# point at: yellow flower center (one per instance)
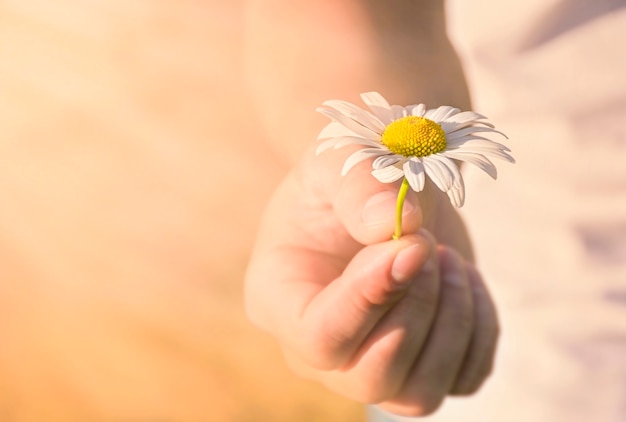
(414, 136)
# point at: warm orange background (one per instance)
(132, 176)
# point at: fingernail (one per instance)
(381, 208)
(406, 263)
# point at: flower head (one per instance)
(412, 142)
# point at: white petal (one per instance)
(489, 153)
(441, 113)
(429, 113)
(398, 112)
(451, 127)
(476, 159)
(465, 117)
(503, 156)
(442, 171)
(385, 161)
(455, 199)
(354, 140)
(414, 173)
(379, 106)
(354, 126)
(334, 129)
(438, 173)
(342, 141)
(357, 157)
(325, 146)
(357, 114)
(388, 174)
(459, 133)
(450, 165)
(484, 147)
(438, 114)
(457, 193)
(472, 141)
(417, 110)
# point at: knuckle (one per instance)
(381, 294)
(461, 319)
(430, 402)
(468, 387)
(470, 384)
(497, 330)
(416, 402)
(321, 351)
(460, 311)
(465, 389)
(426, 405)
(373, 393)
(426, 302)
(319, 357)
(429, 407)
(484, 372)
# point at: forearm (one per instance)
(300, 53)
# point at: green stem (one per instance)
(399, 206)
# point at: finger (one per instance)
(479, 359)
(365, 206)
(387, 355)
(378, 369)
(339, 318)
(436, 369)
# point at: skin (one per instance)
(125, 211)
(399, 323)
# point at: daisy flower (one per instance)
(411, 143)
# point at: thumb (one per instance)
(342, 315)
(363, 205)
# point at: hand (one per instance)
(402, 323)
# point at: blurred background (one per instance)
(129, 195)
(134, 167)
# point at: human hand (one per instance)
(402, 323)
